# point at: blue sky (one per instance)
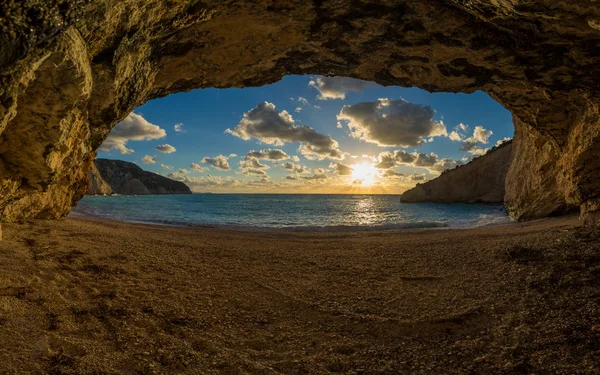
(206, 114)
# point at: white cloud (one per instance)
(459, 133)
(341, 169)
(270, 126)
(197, 167)
(469, 145)
(385, 160)
(424, 160)
(206, 182)
(480, 151)
(296, 168)
(167, 167)
(166, 148)
(303, 100)
(268, 154)
(251, 166)
(150, 159)
(502, 141)
(337, 87)
(418, 177)
(390, 173)
(174, 175)
(295, 158)
(445, 164)
(133, 128)
(210, 183)
(233, 155)
(250, 162)
(480, 136)
(183, 171)
(298, 109)
(254, 172)
(455, 136)
(316, 176)
(218, 162)
(391, 122)
(360, 159)
(431, 162)
(178, 128)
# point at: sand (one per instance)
(84, 296)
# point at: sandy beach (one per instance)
(84, 296)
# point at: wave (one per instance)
(485, 220)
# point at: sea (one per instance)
(290, 212)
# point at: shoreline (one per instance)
(572, 218)
(83, 295)
(296, 229)
(389, 227)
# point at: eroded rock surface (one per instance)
(71, 69)
(126, 178)
(97, 184)
(480, 181)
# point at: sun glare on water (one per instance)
(366, 173)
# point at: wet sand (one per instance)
(84, 296)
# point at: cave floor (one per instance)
(83, 296)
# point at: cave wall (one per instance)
(71, 69)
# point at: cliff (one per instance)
(71, 69)
(480, 181)
(97, 184)
(126, 178)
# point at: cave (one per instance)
(72, 69)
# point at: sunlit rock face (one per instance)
(97, 184)
(480, 181)
(71, 69)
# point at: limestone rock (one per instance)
(480, 181)
(129, 179)
(97, 184)
(71, 69)
(535, 186)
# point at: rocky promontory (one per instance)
(480, 181)
(121, 177)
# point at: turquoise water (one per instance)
(290, 211)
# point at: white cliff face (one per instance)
(97, 184)
(71, 69)
(480, 181)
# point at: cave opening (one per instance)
(308, 135)
(324, 135)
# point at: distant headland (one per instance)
(124, 178)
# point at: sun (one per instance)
(366, 173)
